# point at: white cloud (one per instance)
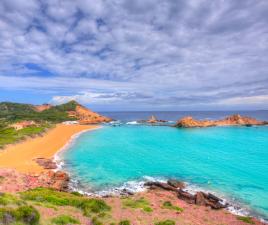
(167, 49)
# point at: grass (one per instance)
(46, 195)
(124, 222)
(23, 214)
(140, 203)
(95, 221)
(9, 135)
(245, 219)
(168, 205)
(8, 199)
(165, 222)
(64, 220)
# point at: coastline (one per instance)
(228, 216)
(56, 157)
(20, 156)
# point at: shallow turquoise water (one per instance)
(232, 161)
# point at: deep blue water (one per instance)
(231, 161)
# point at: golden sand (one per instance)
(21, 156)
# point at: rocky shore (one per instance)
(161, 202)
(233, 120)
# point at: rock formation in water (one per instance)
(200, 198)
(153, 119)
(228, 121)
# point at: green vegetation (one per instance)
(95, 221)
(64, 220)
(168, 205)
(245, 219)
(7, 199)
(11, 113)
(9, 135)
(138, 204)
(23, 214)
(45, 195)
(124, 222)
(165, 222)
(17, 112)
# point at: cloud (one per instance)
(177, 52)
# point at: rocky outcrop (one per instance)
(228, 121)
(153, 119)
(46, 163)
(200, 198)
(86, 116)
(14, 181)
(176, 183)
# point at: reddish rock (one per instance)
(228, 121)
(161, 185)
(176, 183)
(200, 199)
(186, 196)
(46, 163)
(153, 119)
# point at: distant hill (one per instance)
(69, 111)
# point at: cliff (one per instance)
(86, 116)
(227, 121)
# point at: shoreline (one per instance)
(57, 159)
(139, 187)
(20, 156)
(144, 191)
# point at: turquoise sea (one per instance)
(230, 161)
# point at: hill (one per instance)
(72, 110)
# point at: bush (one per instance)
(124, 222)
(46, 195)
(245, 219)
(95, 221)
(168, 205)
(139, 203)
(165, 222)
(25, 214)
(64, 219)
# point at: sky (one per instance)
(117, 55)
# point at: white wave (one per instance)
(132, 123)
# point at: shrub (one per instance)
(64, 219)
(46, 195)
(25, 214)
(95, 221)
(168, 205)
(165, 222)
(245, 219)
(124, 222)
(6, 199)
(139, 203)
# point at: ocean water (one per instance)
(230, 161)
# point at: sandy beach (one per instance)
(21, 156)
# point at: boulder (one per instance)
(186, 196)
(200, 199)
(176, 183)
(161, 185)
(46, 163)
